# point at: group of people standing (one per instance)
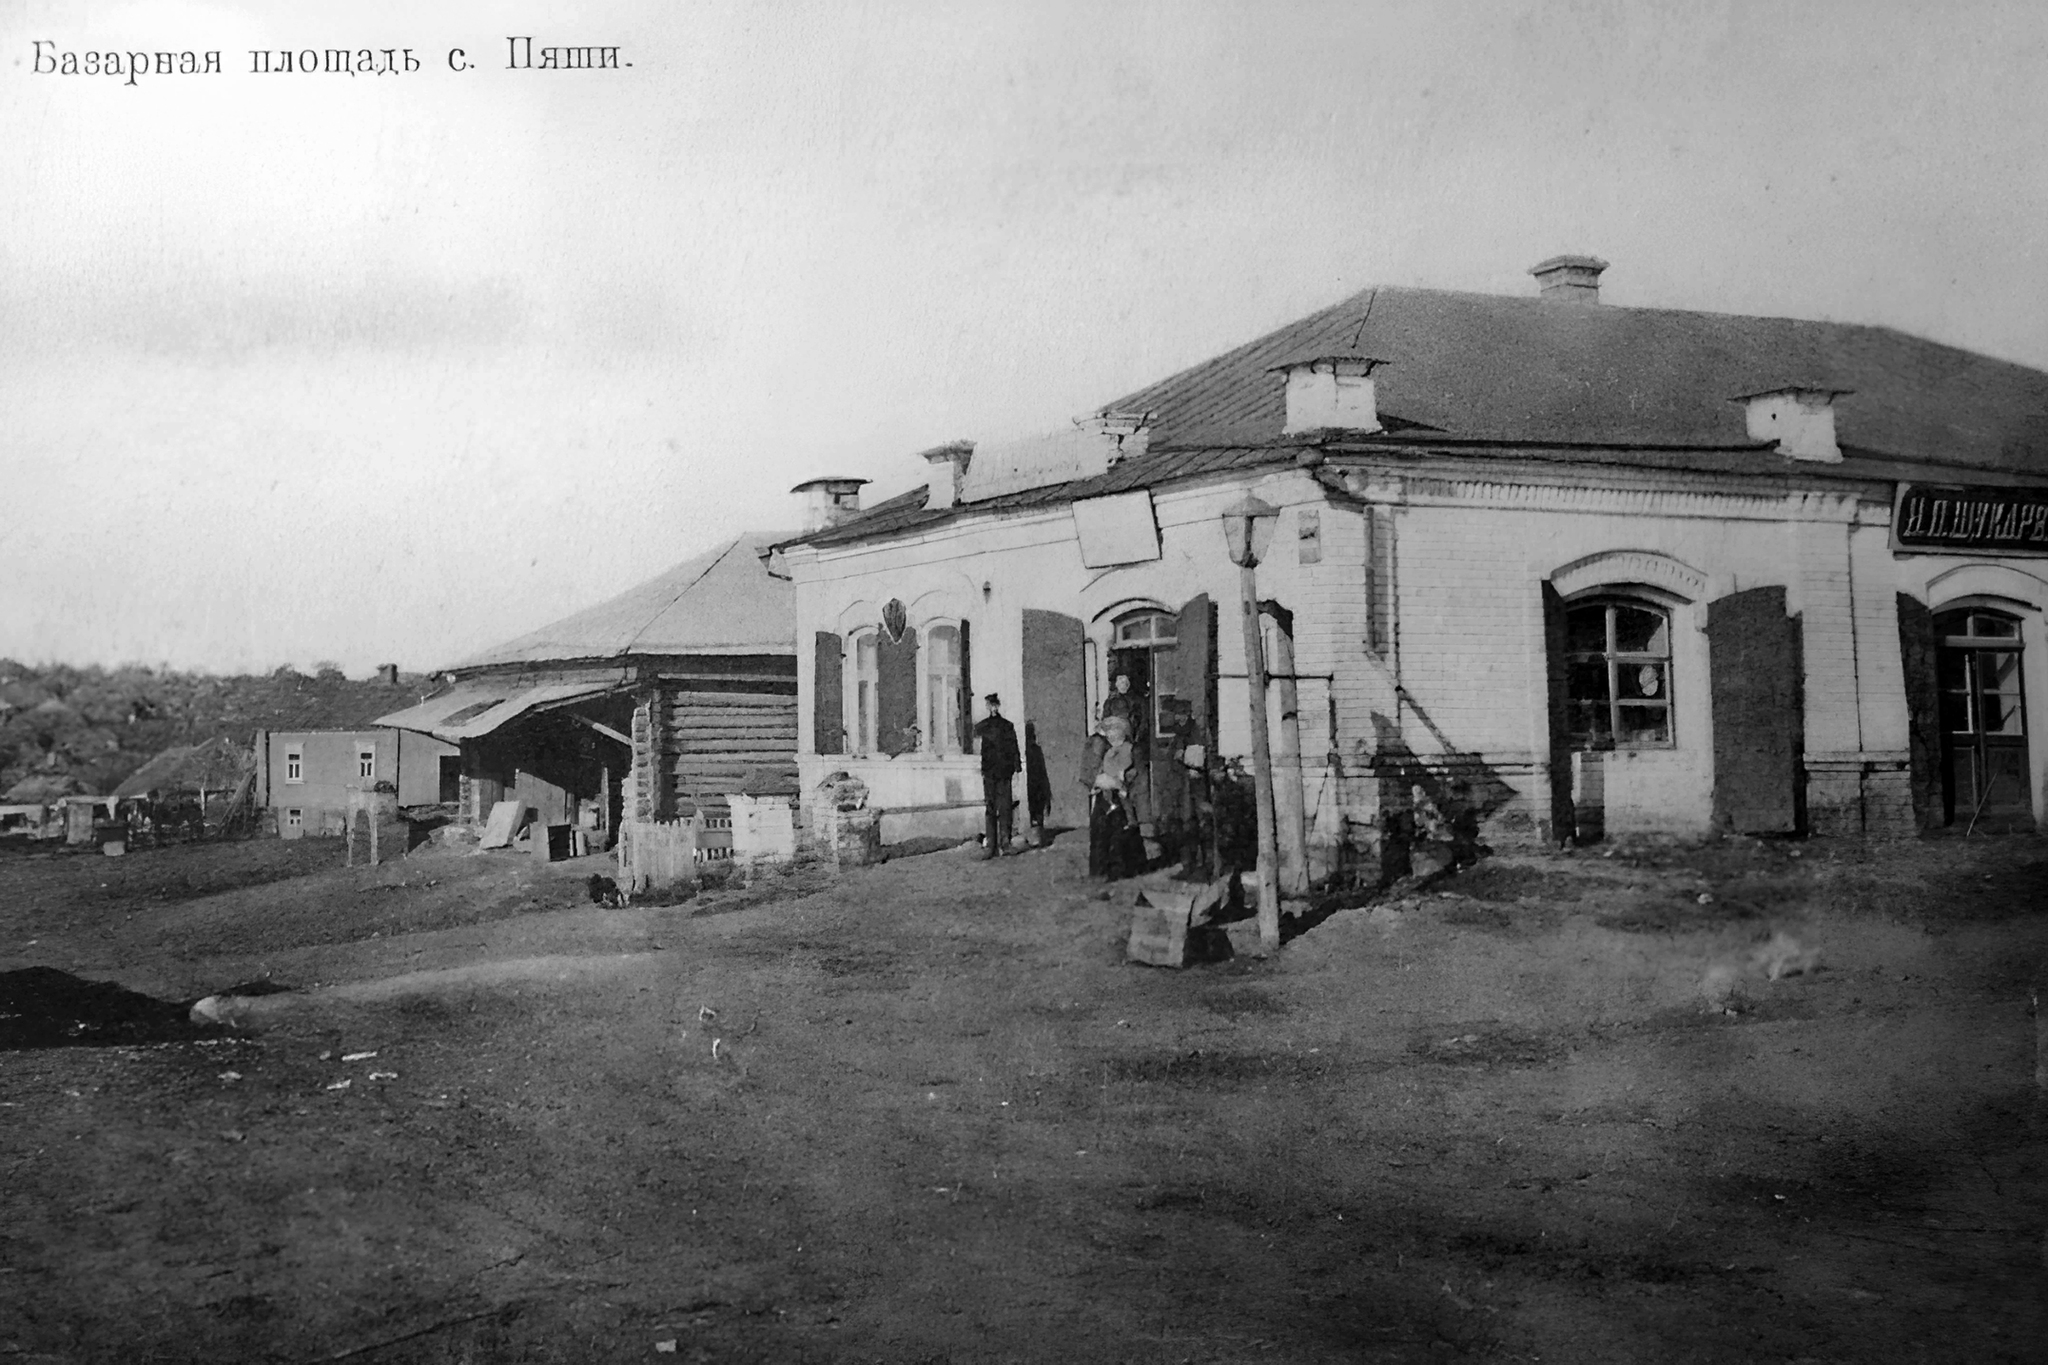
(1109, 770)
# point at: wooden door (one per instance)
(1758, 677)
(1056, 704)
(1985, 768)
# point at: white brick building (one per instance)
(1545, 568)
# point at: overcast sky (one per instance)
(318, 367)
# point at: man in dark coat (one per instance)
(996, 738)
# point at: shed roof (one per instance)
(724, 602)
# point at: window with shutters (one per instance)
(944, 701)
(866, 688)
(1618, 674)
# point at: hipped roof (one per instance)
(724, 602)
(1499, 367)
(1569, 383)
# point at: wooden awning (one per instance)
(474, 709)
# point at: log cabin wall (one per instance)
(721, 737)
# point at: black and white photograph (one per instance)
(886, 682)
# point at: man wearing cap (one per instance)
(996, 738)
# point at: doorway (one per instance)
(1985, 771)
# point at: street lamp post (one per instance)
(1248, 529)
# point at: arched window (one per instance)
(1618, 674)
(866, 691)
(1138, 650)
(944, 700)
(1985, 768)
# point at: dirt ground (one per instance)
(1552, 1108)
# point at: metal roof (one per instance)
(1530, 369)
(472, 710)
(1569, 383)
(907, 511)
(724, 602)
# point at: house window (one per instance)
(366, 760)
(295, 764)
(1618, 674)
(294, 818)
(943, 699)
(866, 691)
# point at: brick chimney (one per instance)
(1331, 392)
(949, 471)
(387, 674)
(1570, 279)
(827, 502)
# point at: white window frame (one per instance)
(863, 714)
(366, 761)
(295, 763)
(929, 724)
(294, 817)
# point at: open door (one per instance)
(1056, 705)
(1918, 647)
(1564, 819)
(1759, 725)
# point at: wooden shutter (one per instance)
(1758, 712)
(896, 689)
(1918, 644)
(1056, 705)
(966, 691)
(1194, 667)
(1563, 818)
(828, 695)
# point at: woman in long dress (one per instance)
(1108, 775)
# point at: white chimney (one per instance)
(1570, 279)
(949, 471)
(827, 502)
(1332, 392)
(1129, 433)
(1800, 419)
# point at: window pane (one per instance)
(1638, 630)
(1586, 680)
(2002, 715)
(945, 647)
(1585, 629)
(1588, 722)
(1642, 724)
(1988, 626)
(1999, 670)
(1639, 679)
(1950, 668)
(1955, 712)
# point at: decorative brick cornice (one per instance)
(1699, 501)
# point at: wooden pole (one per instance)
(1262, 760)
(1289, 800)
